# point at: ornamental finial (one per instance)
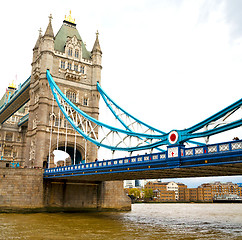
(69, 18)
(50, 17)
(40, 31)
(12, 85)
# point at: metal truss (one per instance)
(133, 134)
(115, 138)
(225, 120)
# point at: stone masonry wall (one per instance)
(21, 188)
(70, 195)
(111, 196)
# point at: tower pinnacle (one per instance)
(50, 17)
(69, 18)
(49, 31)
(96, 46)
(40, 32)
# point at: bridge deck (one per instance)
(203, 171)
(222, 159)
(17, 100)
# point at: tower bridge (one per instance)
(57, 108)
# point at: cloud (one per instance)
(234, 17)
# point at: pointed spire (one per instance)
(38, 40)
(96, 46)
(49, 31)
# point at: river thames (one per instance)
(145, 221)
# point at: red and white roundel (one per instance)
(173, 137)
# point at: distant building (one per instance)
(129, 184)
(164, 191)
(182, 192)
(219, 188)
(137, 183)
(171, 191)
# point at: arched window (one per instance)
(85, 101)
(71, 96)
(9, 137)
(63, 64)
(69, 65)
(82, 69)
(76, 53)
(70, 52)
(57, 122)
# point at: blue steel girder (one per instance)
(187, 134)
(15, 101)
(154, 139)
(113, 106)
(227, 153)
(78, 119)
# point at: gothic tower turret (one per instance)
(97, 60)
(36, 47)
(37, 134)
(76, 71)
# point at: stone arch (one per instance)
(80, 152)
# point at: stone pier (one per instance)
(24, 190)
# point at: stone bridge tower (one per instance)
(76, 72)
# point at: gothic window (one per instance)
(63, 64)
(76, 67)
(67, 124)
(69, 65)
(57, 122)
(76, 53)
(70, 52)
(71, 96)
(7, 152)
(82, 69)
(85, 101)
(9, 137)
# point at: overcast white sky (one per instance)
(171, 63)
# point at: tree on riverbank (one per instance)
(148, 194)
(134, 192)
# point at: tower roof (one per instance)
(38, 40)
(96, 46)
(49, 31)
(68, 29)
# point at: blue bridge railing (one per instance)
(187, 157)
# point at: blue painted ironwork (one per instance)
(23, 120)
(158, 137)
(109, 102)
(106, 98)
(209, 155)
(14, 97)
(62, 100)
(14, 164)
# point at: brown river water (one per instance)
(145, 221)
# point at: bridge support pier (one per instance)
(111, 196)
(66, 195)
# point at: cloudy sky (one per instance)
(171, 63)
